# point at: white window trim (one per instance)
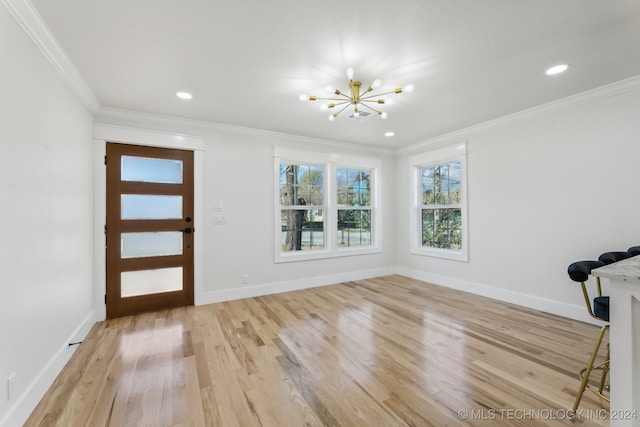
(331, 163)
(457, 152)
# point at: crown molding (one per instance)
(617, 88)
(172, 124)
(29, 19)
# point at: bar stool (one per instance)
(579, 272)
(634, 250)
(611, 257)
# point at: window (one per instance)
(354, 207)
(439, 212)
(441, 209)
(302, 206)
(326, 205)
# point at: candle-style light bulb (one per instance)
(350, 73)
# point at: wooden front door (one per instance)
(149, 228)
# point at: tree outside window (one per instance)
(441, 211)
(302, 207)
(439, 206)
(326, 205)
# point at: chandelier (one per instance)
(359, 97)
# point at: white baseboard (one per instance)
(290, 285)
(576, 312)
(29, 399)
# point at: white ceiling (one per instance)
(246, 61)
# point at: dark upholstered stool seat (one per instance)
(611, 257)
(601, 308)
(579, 271)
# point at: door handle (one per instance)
(187, 230)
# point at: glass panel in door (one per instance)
(144, 206)
(144, 169)
(145, 282)
(162, 243)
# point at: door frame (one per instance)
(120, 134)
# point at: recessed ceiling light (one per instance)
(389, 134)
(184, 95)
(557, 69)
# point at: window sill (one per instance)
(441, 253)
(307, 256)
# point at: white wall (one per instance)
(46, 284)
(238, 171)
(548, 187)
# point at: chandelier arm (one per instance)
(370, 108)
(337, 104)
(376, 95)
(334, 99)
(337, 99)
(343, 108)
(371, 97)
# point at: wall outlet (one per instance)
(245, 279)
(11, 386)
(218, 205)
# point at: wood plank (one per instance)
(388, 351)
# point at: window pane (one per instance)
(455, 183)
(302, 229)
(144, 282)
(354, 187)
(448, 192)
(354, 228)
(441, 185)
(136, 245)
(301, 185)
(144, 169)
(442, 228)
(140, 206)
(427, 186)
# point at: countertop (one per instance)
(627, 270)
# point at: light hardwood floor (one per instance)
(389, 351)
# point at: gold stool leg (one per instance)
(605, 369)
(585, 378)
